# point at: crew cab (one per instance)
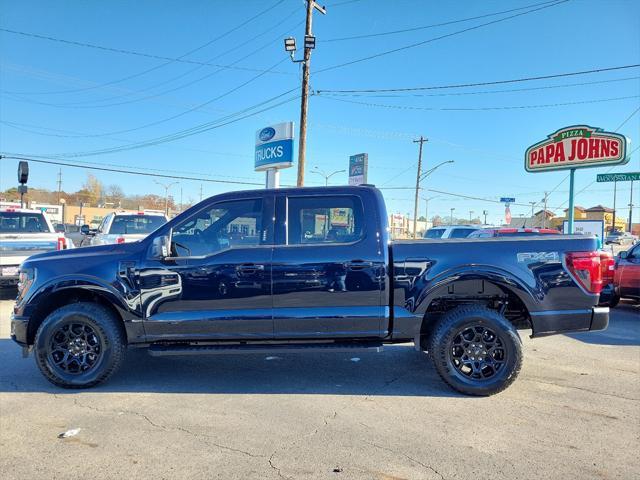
(123, 227)
(304, 269)
(24, 232)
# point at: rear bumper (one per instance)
(19, 326)
(561, 321)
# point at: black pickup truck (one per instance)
(296, 270)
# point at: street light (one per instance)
(326, 177)
(431, 170)
(166, 194)
(420, 178)
(471, 212)
(451, 220)
(426, 207)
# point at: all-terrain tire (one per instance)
(100, 333)
(446, 342)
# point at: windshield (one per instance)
(434, 233)
(23, 222)
(136, 224)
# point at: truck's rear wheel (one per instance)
(476, 350)
(79, 345)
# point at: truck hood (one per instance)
(76, 254)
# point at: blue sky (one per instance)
(86, 99)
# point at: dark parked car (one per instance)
(296, 270)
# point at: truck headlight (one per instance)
(25, 280)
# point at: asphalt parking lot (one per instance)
(574, 412)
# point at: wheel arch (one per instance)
(60, 297)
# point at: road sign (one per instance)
(274, 147)
(577, 146)
(507, 200)
(586, 227)
(618, 177)
(358, 166)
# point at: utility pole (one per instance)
(544, 214)
(451, 219)
(309, 44)
(59, 184)
(415, 204)
(615, 185)
(485, 213)
(533, 204)
(631, 207)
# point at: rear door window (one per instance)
(323, 220)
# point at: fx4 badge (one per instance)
(538, 257)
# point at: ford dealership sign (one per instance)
(274, 147)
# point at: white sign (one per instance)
(274, 147)
(586, 227)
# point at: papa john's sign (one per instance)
(575, 147)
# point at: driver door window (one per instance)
(220, 227)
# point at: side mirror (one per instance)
(623, 255)
(161, 247)
(85, 230)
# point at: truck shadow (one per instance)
(398, 371)
(624, 328)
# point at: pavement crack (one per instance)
(204, 438)
(622, 397)
(424, 465)
(274, 467)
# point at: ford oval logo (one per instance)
(267, 134)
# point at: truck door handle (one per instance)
(359, 264)
(249, 268)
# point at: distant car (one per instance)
(626, 280)
(25, 232)
(512, 232)
(450, 231)
(72, 232)
(123, 227)
(620, 238)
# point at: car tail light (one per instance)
(608, 265)
(585, 268)
(120, 240)
(62, 243)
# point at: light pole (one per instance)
(451, 219)
(471, 212)
(426, 208)
(166, 194)
(485, 213)
(421, 177)
(326, 177)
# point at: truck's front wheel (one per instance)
(476, 350)
(79, 345)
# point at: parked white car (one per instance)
(123, 227)
(450, 231)
(25, 232)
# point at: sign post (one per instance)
(507, 211)
(577, 146)
(274, 151)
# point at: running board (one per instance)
(168, 350)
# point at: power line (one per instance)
(480, 84)
(433, 25)
(136, 53)
(424, 42)
(477, 109)
(130, 172)
(218, 123)
(482, 92)
(83, 104)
